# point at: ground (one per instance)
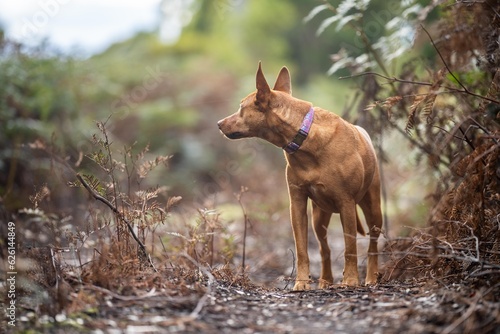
(218, 306)
(122, 295)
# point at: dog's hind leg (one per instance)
(370, 204)
(321, 219)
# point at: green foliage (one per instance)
(37, 94)
(383, 34)
(260, 20)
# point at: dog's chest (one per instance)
(320, 182)
(316, 190)
(323, 196)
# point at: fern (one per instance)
(95, 184)
(342, 16)
(147, 166)
(428, 106)
(400, 31)
(424, 104)
(410, 123)
(315, 11)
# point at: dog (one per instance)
(329, 161)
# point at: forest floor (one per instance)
(399, 308)
(119, 295)
(217, 306)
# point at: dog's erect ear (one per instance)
(263, 90)
(283, 82)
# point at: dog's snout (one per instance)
(219, 124)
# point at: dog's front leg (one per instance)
(349, 225)
(298, 213)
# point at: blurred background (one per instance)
(159, 74)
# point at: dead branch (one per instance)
(151, 293)
(246, 220)
(451, 328)
(444, 62)
(98, 197)
(422, 147)
(420, 83)
(211, 279)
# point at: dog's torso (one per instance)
(336, 162)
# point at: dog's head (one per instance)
(263, 113)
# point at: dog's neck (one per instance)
(301, 135)
(284, 123)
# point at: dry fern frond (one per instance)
(172, 201)
(147, 166)
(428, 106)
(493, 93)
(391, 101)
(146, 195)
(424, 103)
(371, 106)
(388, 103)
(410, 123)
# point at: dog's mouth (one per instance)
(234, 135)
(224, 129)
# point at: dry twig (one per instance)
(211, 279)
(98, 197)
(420, 83)
(246, 221)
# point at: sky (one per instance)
(82, 26)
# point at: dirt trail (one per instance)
(399, 308)
(222, 308)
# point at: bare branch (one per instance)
(444, 62)
(420, 83)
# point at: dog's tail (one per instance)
(360, 228)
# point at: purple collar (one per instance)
(299, 138)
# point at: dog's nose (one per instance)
(219, 123)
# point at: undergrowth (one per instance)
(455, 122)
(448, 108)
(129, 239)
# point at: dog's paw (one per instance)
(324, 284)
(371, 279)
(301, 286)
(350, 282)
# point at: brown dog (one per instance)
(329, 160)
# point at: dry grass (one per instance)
(130, 244)
(451, 115)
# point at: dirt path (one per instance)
(399, 308)
(182, 299)
(222, 308)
